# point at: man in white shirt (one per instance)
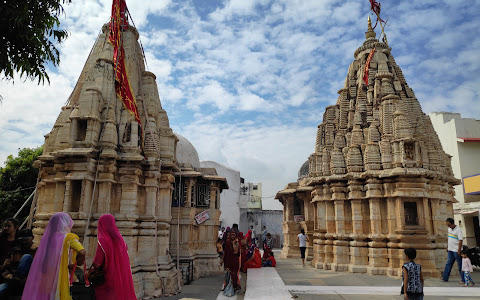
(455, 241)
(254, 234)
(220, 233)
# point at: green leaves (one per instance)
(17, 182)
(29, 30)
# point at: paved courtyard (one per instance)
(289, 280)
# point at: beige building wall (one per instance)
(457, 136)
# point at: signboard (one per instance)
(298, 218)
(202, 217)
(471, 185)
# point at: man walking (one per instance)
(455, 241)
(264, 236)
(254, 234)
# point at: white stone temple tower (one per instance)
(378, 181)
(94, 152)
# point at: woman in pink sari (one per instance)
(112, 256)
(48, 277)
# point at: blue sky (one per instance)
(247, 81)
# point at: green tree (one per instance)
(17, 182)
(29, 31)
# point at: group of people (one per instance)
(412, 278)
(239, 252)
(46, 271)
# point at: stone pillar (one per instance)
(213, 191)
(128, 200)
(378, 256)
(394, 252)
(358, 247)
(290, 249)
(340, 248)
(308, 223)
(67, 203)
(59, 191)
(331, 228)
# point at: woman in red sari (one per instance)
(255, 261)
(248, 237)
(231, 258)
(243, 249)
(112, 256)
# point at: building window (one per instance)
(409, 151)
(76, 195)
(297, 209)
(202, 195)
(177, 199)
(255, 187)
(81, 130)
(127, 133)
(411, 216)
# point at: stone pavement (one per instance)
(310, 283)
(290, 280)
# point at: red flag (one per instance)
(375, 7)
(367, 66)
(119, 23)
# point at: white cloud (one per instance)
(248, 82)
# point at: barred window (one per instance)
(177, 198)
(202, 195)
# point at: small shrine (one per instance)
(195, 213)
(378, 181)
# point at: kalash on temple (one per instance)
(378, 181)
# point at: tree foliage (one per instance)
(17, 182)
(29, 31)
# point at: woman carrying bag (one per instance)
(48, 276)
(112, 257)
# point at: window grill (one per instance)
(202, 195)
(176, 199)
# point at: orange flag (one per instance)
(123, 89)
(367, 66)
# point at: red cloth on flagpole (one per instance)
(123, 89)
(367, 66)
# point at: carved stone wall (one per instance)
(384, 183)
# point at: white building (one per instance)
(229, 199)
(460, 138)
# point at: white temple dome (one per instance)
(185, 152)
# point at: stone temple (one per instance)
(378, 181)
(93, 154)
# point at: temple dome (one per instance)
(304, 169)
(186, 153)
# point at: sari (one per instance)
(232, 262)
(255, 261)
(248, 237)
(113, 256)
(48, 278)
(243, 250)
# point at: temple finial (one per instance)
(370, 33)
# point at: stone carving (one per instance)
(385, 183)
(95, 132)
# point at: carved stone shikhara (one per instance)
(378, 182)
(95, 133)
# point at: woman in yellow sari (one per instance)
(48, 278)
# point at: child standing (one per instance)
(467, 268)
(219, 247)
(412, 277)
